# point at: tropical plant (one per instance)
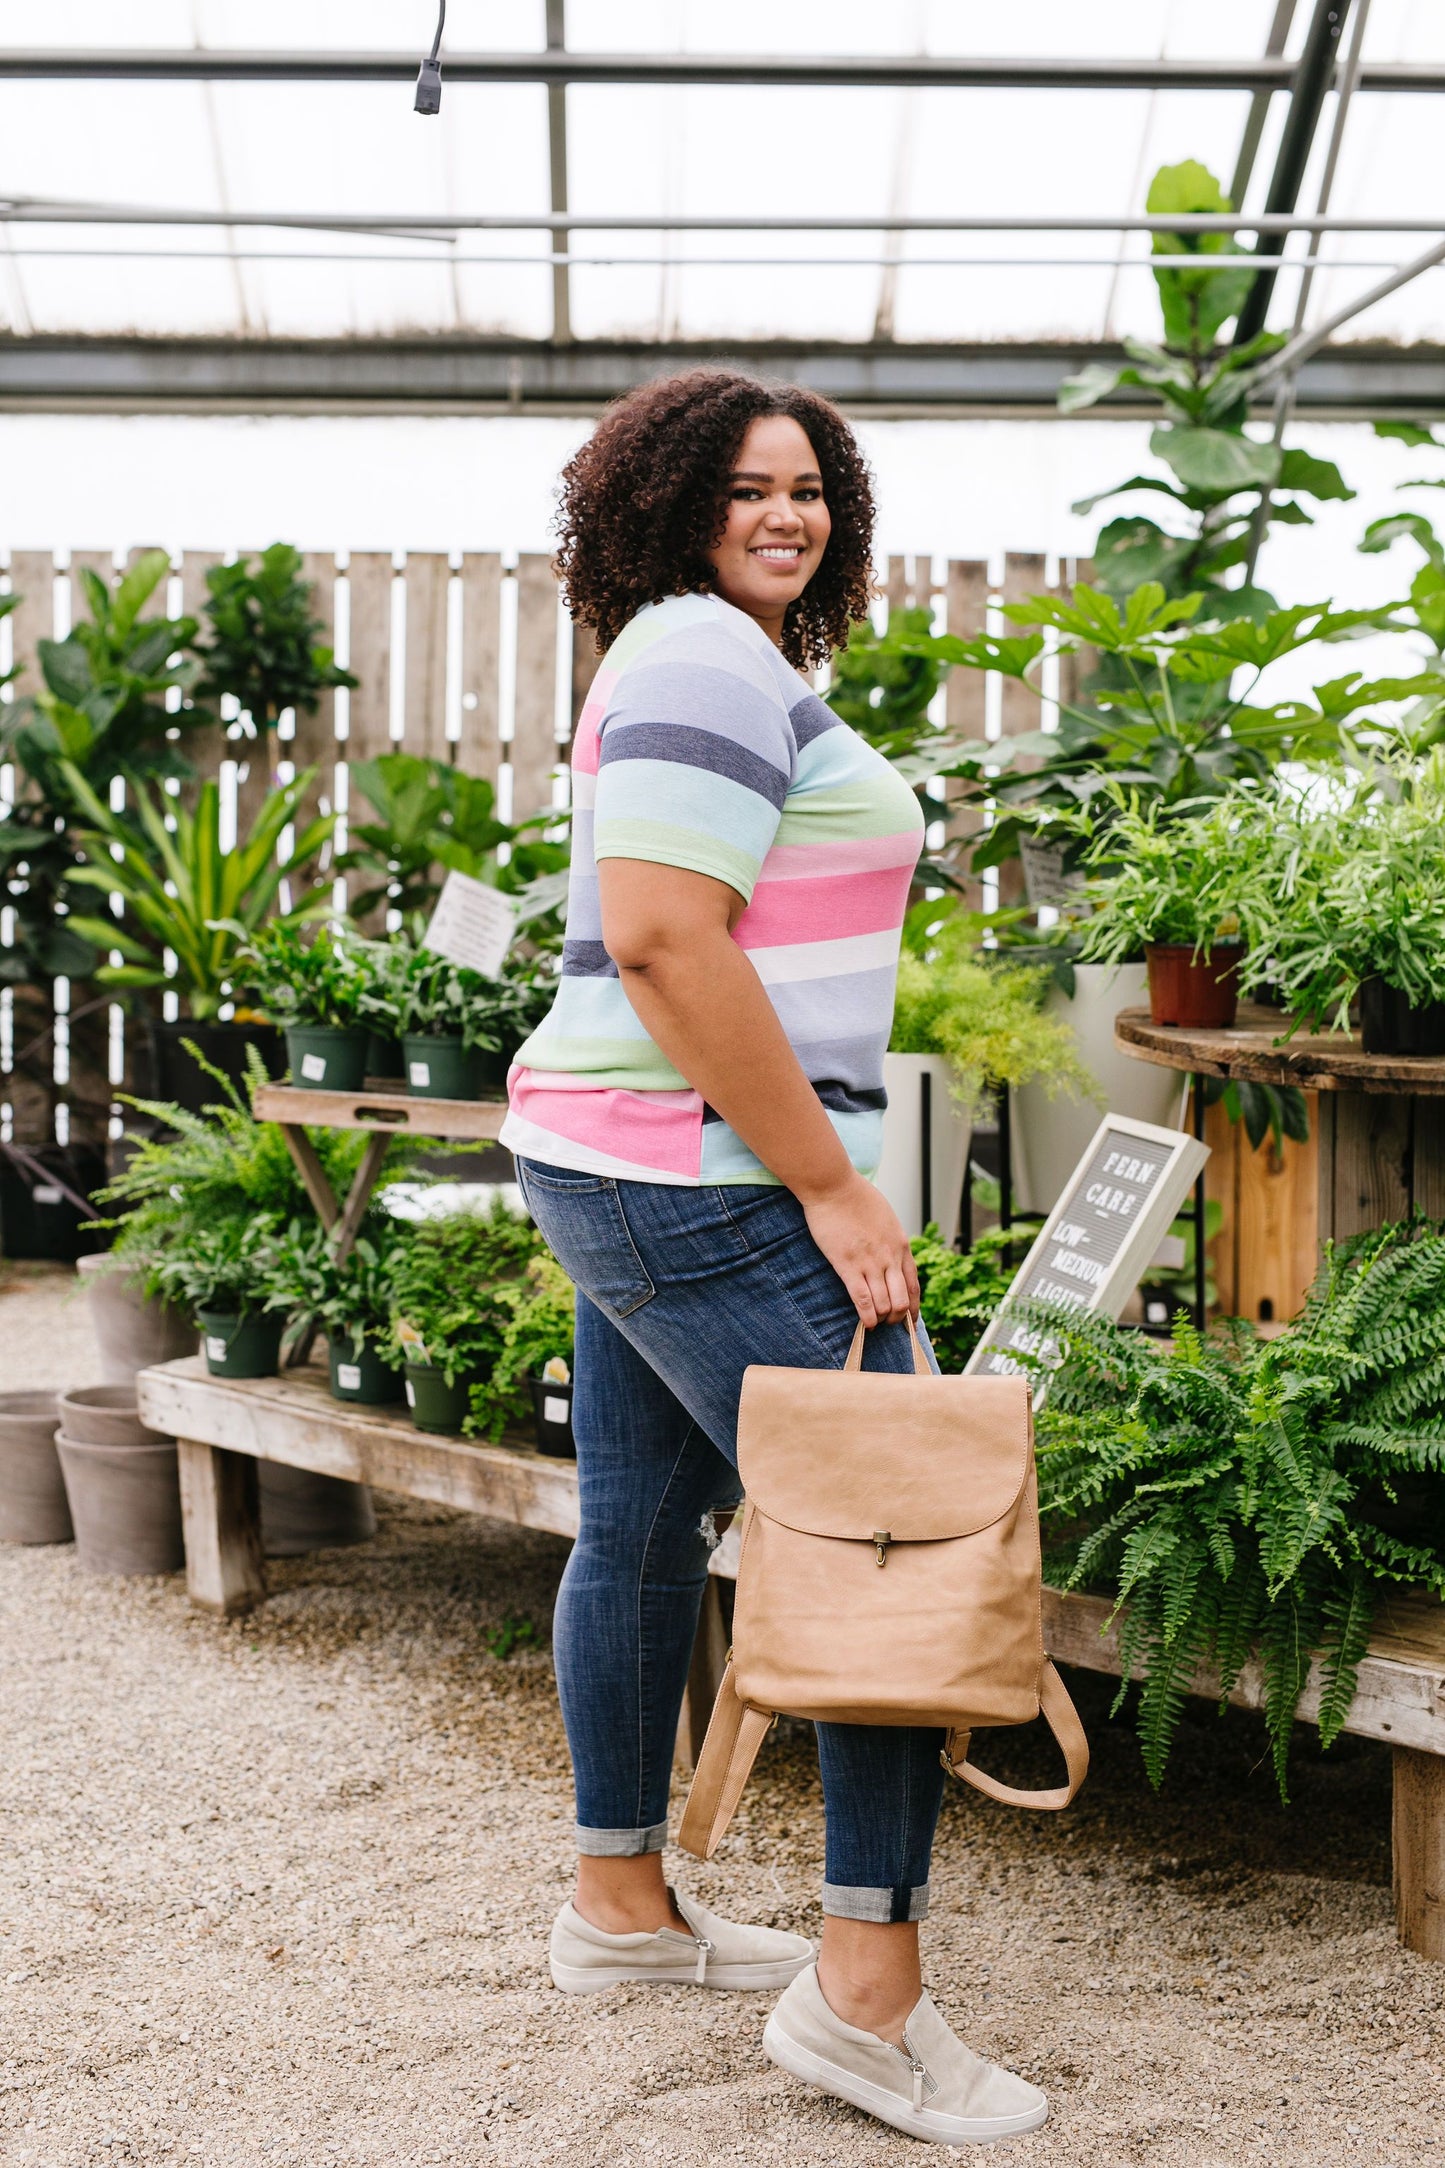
(222, 1167)
(1243, 1495)
(1195, 879)
(1181, 721)
(298, 983)
(1357, 888)
(1224, 487)
(263, 649)
(882, 683)
(452, 1287)
(412, 989)
(962, 1290)
(985, 1017)
(433, 819)
(184, 894)
(348, 1297)
(540, 1329)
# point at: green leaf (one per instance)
(1216, 461)
(65, 667)
(1316, 477)
(1093, 383)
(1409, 433)
(136, 589)
(1382, 534)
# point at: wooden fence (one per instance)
(466, 656)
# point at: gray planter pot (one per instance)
(105, 1415)
(303, 1512)
(125, 1501)
(131, 1331)
(33, 1506)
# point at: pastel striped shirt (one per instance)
(700, 747)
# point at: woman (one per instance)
(695, 1126)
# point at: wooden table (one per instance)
(225, 1426)
(1381, 1116)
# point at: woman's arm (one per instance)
(703, 1004)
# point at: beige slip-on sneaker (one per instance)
(716, 1953)
(937, 2089)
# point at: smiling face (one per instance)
(777, 523)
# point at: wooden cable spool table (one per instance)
(1382, 1157)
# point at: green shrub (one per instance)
(453, 1286)
(962, 1290)
(541, 1328)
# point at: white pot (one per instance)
(900, 1171)
(1050, 1135)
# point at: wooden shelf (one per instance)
(391, 1112)
(1255, 1051)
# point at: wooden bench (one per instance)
(226, 1426)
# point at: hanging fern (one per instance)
(1248, 1498)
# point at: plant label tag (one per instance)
(410, 1394)
(215, 1347)
(472, 924)
(348, 1377)
(554, 1409)
(313, 1068)
(1116, 1210)
(419, 1073)
(46, 1193)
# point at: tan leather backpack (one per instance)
(889, 1573)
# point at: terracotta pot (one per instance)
(1198, 991)
(125, 1501)
(132, 1331)
(1390, 1025)
(105, 1415)
(33, 1506)
(303, 1512)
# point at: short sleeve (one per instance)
(695, 760)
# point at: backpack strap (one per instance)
(1062, 1718)
(735, 1732)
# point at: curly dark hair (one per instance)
(645, 499)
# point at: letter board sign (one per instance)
(1095, 1245)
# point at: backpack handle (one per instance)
(1062, 1718)
(854, 1360)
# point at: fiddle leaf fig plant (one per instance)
(264, 648)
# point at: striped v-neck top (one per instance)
(700, 747)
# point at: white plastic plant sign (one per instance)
(472, 924)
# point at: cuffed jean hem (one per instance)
(621, 1843)
(885, 1907)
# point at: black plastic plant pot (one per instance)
(324, 1058)
(552, 1407)
(383, 1056)
(1390, 1025)
(434, 1404)
(241, 1347)
(358, 1373)
(175, 1074)
(441, 1068)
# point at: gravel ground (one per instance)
(278, 1891)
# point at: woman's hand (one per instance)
(862, 1238)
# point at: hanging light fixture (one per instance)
(429, 75)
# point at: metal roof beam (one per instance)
(1317, 71)
(448, 374)
(909, 71)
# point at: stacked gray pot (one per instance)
(33, 1505)
(122, 1481)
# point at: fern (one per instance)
(1247, 1497)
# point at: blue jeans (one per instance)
(678, 1290)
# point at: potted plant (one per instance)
(186, 898)
(1180, 890)
(451, 1290)
(964, 1019)
(222, 1275)
(1242, 1497)
(535, 1362)
(350, 1299)
(453, 1023)
(312, 991)
(1356, 909)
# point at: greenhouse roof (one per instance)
(912, 192)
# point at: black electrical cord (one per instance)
(429, 75)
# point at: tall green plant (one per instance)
(432, 819)
(264, 647)
(1218, 476)
(1240, 1495)
(183, 893)
(882, 683)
